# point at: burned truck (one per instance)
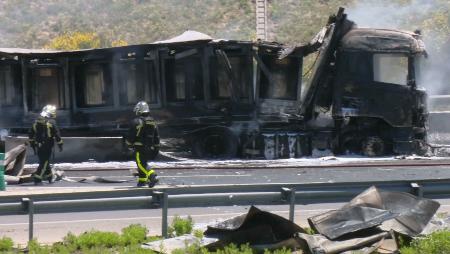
(225, 98)
(362, 97)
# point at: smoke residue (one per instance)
(424, 15)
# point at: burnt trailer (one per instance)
(225, 98)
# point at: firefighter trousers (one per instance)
(146, 173)
(44, 171)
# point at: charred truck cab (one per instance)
(377, 102)
(362, 96)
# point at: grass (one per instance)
(180, 226)
(94, 242)
(6, 244)
(130, 239)
(435, 243)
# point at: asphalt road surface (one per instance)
(253, 176)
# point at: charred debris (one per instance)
(228, 98)
(375, 221)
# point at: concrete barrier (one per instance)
(78, 149)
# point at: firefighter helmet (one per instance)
(49, 111)
(141, 108)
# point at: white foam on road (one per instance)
(201, 163)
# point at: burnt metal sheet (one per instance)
(382, 40)
(411, 214)
(176, 243)
(15, 160)
(256, 227)
(320, 244)
(334, 224)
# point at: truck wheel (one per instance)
(215, 143)
(373, 146)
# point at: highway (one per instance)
(52, 227)
(200, 176)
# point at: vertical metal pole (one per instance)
(29, 206)
(165, 207)
(261, 19)
(291, 204)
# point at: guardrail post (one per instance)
(289, 195)
(417, 190)
(162, 199)
(29, 207)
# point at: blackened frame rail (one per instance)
(207, 196)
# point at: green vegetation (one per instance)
(35, 24)
(6, 244)
(131, 238)
(180, 226)
(435, 243)
(99, 242)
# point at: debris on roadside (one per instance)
(16, 173)
(373, 221)
(175, 243)
(399, 211)
(261, 229)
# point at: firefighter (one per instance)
(43, 135)
(143, 138)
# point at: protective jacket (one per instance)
(43, 135)
(143, 133)
(143, 137)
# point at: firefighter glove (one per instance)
(60, 147)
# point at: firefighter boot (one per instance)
(153, 180)
(51, 178)
(37, 180)
(141, 184)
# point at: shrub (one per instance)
(35, 248)
(6, 244)
(198, 233)
(134, 234)
(180, 226)
(94, 238)
(435, 243)
(233, 249)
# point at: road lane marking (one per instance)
(159, 176)
(171, 216)
(151, 218)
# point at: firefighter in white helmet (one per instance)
(143, 138)
(43, 135)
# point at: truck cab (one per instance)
(376, 99)
(364, 79)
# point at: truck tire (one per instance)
(215, 143)
(373, 146)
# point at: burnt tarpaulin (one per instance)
(398, 211)
(256, 228)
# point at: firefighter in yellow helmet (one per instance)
(43, 135)
(143, 138)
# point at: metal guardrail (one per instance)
(205, 196)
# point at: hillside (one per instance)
(34, 23)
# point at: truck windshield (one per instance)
(390, 68)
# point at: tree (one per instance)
(74, 41)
